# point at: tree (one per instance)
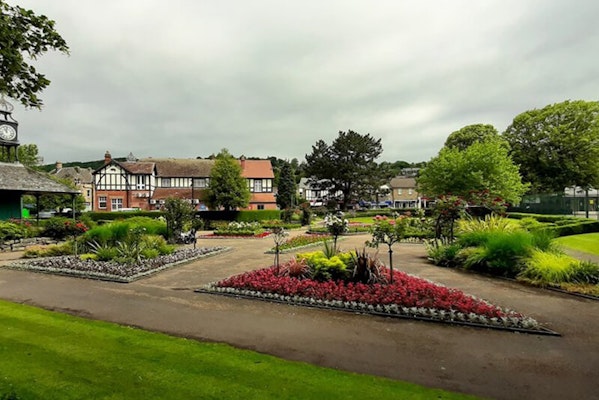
(227, 188)
(344, 165)
(22, 32)
(378, 175)
(286, 188)
(27, 153)
(470, 134)
(482, 166)
(557, 146)
(177, 213)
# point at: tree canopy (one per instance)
(286, 188)
(23, 33)
(344, 165)
(28, 155)
(482, 166)
(557, 146)
(227, 188)
(470, 134)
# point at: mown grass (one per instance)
(47, 355)
(588, 242)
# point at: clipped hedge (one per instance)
(561, 225)
(585, 226)
(240, 216)
(114, 215)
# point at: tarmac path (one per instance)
(483, 362)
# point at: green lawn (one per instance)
(47, 355)
(588, 242)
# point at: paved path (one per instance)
(488, 363)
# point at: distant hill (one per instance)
(94, 165)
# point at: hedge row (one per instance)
(544, 217)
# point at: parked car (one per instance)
(46, 214)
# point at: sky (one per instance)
(187, 78)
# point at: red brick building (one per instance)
(146, 184)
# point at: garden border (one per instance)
(23, 266)
(540, 331)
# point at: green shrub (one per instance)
(542, 239)
(12, 231)
(88, 256)
(150, 253)
(473, 238)
(443, 254)
(323, 267)
(61, 228)
(473, 258)
(505, 252)
(491, 223)
(543, 268)
(54, 250)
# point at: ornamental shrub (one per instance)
(543, 268)
(61, 227)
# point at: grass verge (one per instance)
(48, 355)
(588, 242)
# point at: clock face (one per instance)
(7, 132)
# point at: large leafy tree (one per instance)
(228, 189)
(28, 155)
(344, 166)
(482, 166)
(470, 134)
(25, 34)
(286, 187)
(379, 176)
(557, 146)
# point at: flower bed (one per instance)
(110, 270)
(301, 241)
(407, 297)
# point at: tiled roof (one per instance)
(137, 167)
(403, 182)
(182, 167)
(257, 169)
(19, 178)
(83, 174)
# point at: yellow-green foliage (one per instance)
(88, 256)
(491, 223)
(323, 267)
(52, 250)
(543, 268)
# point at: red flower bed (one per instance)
(405, 291)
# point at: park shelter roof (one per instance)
(16, 177)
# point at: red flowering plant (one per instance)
(448, 208)
(487, 201)
(388, 231)
(407, 296)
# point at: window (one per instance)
(88, 193)
(200, 182)
(102, 202)
(117, 204)
(257, 185)
(398, 191)
(409, 191)
(260, 206)
(141, 186)
(166, 182)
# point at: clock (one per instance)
(7, 132)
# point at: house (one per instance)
(404, 193)
(145, 184)
(313, 194)
(81, 178)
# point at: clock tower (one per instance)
(9, 138)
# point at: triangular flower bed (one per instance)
(407, 297)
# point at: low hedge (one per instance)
(543, 217)
(585, 226)
(114, 215)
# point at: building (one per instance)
(404, 193)
(314, 195)
(82, 179)
(145, 184)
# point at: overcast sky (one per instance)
(186, 78)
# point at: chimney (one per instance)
(58, 166)
(242, 161)
(107, 157)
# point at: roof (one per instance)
(257, 169)
(137, 168)
(403, 182)
(83, 174)
(181, 193)
(17, 177)
(182, 167)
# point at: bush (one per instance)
(442, 254)
(61, 227)
(12, 231)
(505, 251)
(328, 267)
(53, 250)
(544, 268)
